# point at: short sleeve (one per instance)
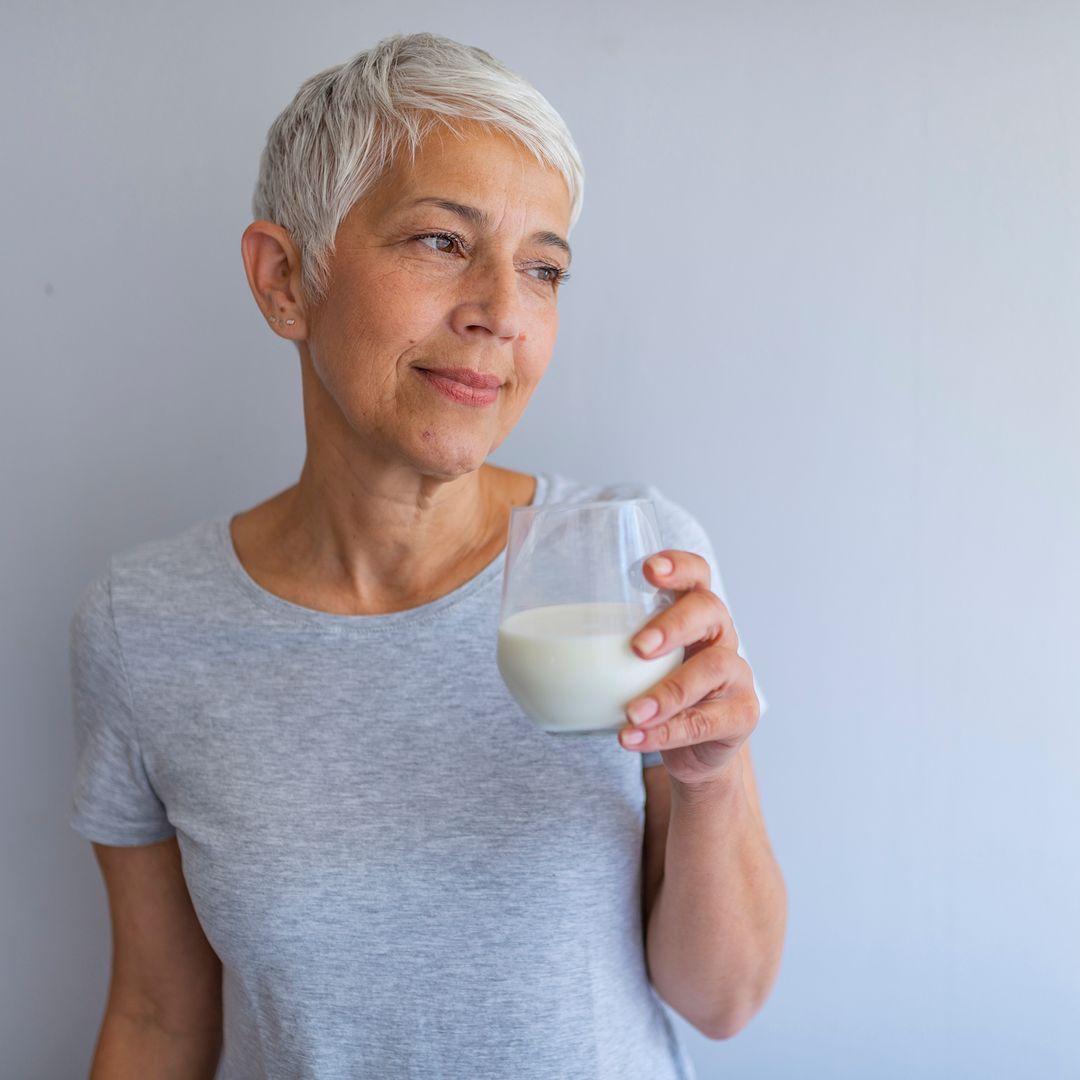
(683, 532)
(113, 801)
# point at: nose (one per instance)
(490, 303)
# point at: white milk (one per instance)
(571, 668)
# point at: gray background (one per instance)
(824, 294)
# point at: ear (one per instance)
(272, 265)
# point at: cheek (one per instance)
(535, 346)
(367, 324)
(530, 363)
(390, 310)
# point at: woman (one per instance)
(330, 839)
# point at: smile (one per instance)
(464, 386)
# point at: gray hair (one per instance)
(347, 124)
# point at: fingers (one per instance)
(728, 716)
(710, 697)
(677, 570)
(696, 616)
(706, 674)
(728, 721)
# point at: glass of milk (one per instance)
(573, 596)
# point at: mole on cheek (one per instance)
(427, 435)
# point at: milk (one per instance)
(571, 668)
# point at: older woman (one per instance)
(331, 841)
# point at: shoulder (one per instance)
(150, 576)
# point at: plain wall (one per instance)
(824, 294)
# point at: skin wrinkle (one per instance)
(395, 469)
(479, 218)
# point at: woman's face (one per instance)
(451, 262)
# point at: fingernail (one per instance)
(642, 710)
(661, 565)
(648, 640)
(632, 738)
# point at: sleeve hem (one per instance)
(98, 832)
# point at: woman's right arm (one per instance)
(163, 1016)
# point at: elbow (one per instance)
(733, 1016)
(737, 1011)
(746, 1001)
(729, 1023)
(731, 1011)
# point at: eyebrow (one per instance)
(475, 216)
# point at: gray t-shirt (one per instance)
(402, 875)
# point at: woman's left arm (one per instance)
(715, 928)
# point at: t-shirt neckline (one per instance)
(278, 604)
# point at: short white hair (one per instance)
(347, 124)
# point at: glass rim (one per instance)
(592, 504)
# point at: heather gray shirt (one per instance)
(402, 876)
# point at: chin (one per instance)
(449, 457)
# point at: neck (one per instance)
(363, 532)
(391, 537)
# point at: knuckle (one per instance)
(754, 709)
(721, 624)
(706, 615)
(697, 724)
(676, 693)
(719, 662)
(720, 610)
(678, 620)
(755, 716)
(701, 566)
(747, 710)
(742, 670)
(702, 604)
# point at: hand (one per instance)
(701, 714)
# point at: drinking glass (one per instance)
(574, 594)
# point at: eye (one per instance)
(437, 240)
(551, 275)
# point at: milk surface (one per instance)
(570, 666)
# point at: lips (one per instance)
(478, 380)
(463, 385)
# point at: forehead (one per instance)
(475, 167)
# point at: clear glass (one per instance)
(573, 596)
